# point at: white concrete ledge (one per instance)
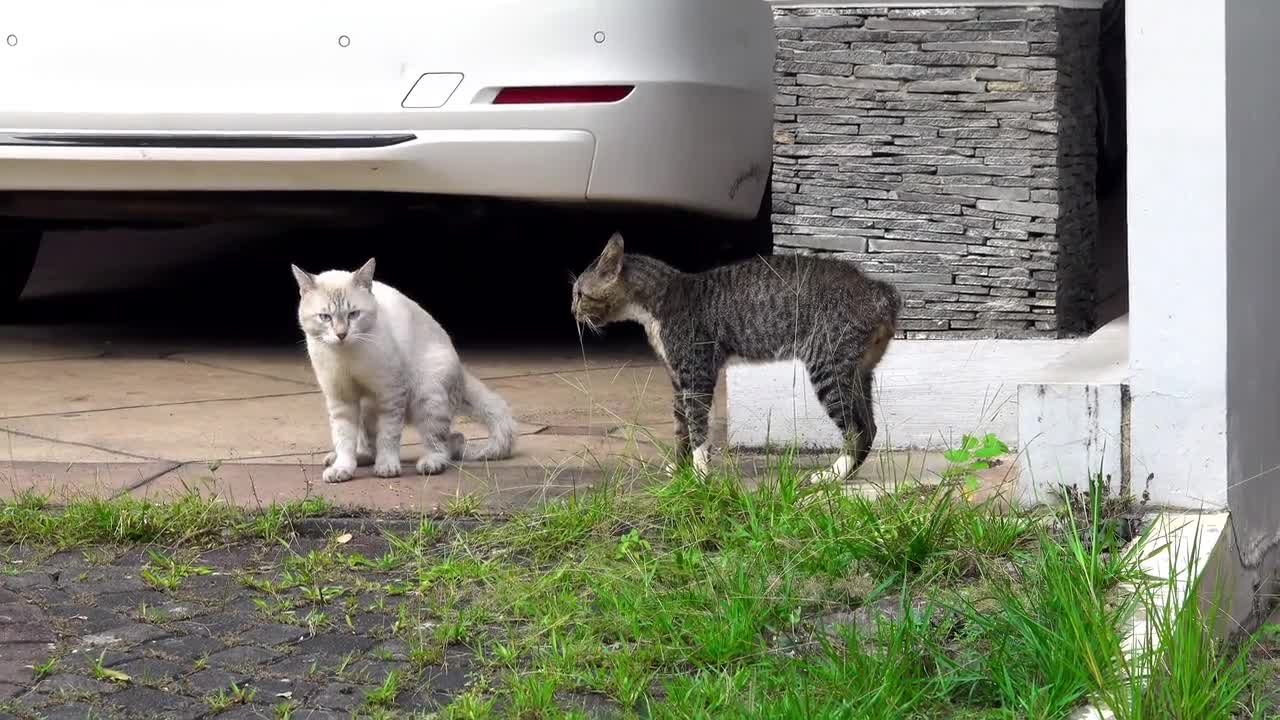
(1181, 548)
(927, 394)
(1069, 4)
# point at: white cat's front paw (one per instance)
(363, 459)
(432, 463)
(338, 473)
(839, 471)
(387, 468)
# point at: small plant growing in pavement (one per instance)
(166, 574)
(44, 669)
(386, 693)
(973, 455)
(230, 697)
(101, 672)
(632, 545)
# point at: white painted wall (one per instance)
(1178, 248)
(927, 394)
(1253, 267)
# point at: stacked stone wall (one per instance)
(949, 150)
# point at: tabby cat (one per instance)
(824, 312)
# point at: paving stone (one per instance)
(372, 671)
(313, 714)
(218, 626)
(449, 678)
(418, 700)
(111, 582)
(137, 701)
(339, 696)
(335, 644)
(84, 620)
(123, 636)
(211, 680)
(130, 602)
(273, 635)
(273, 690)
(72, 685)
(391, 650)
(27, 583)
(81, 659)
(304, 666)
(243, 656)
(152, 671)
(76, 711)
(23, 623)
(186, 648)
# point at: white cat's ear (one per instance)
(611, 258)
(364, 276)
(306, 281)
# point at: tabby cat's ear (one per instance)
(364, 276)
(610, 263)
(306, 281)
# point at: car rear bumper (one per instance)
(683, 146)
(457, 162)
(694, 133)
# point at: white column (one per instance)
(1178, 249)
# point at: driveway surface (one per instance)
(84, 411)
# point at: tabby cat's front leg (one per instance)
(683, 447)
(695, 379)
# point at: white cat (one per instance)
(382, 361)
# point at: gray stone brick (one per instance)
(831, 243)
(1029, 209)
(891, 72)
(888, 246)
(995, 47)
(946, 86)
(880, 23)
(941, 58)
(945, 14)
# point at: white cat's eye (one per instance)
(324, 317)
(353, 314)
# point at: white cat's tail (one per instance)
(486, 406)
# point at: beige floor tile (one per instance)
(67, 481)
(224, 430)
(280, 363)
(497, 486)
(74, 386)
(485, 363)
(19, 447)
(592, 399)
(489, 363)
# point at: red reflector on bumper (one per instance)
(562, 94)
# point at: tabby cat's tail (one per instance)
(486, 406)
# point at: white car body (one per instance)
(392, 95)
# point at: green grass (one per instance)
(188, 520)
(705, 598)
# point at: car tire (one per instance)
(18, 249)
(695, 243)
(757, 236)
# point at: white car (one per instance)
(599, 103)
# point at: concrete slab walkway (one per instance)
(92, 412)
(88, 412)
